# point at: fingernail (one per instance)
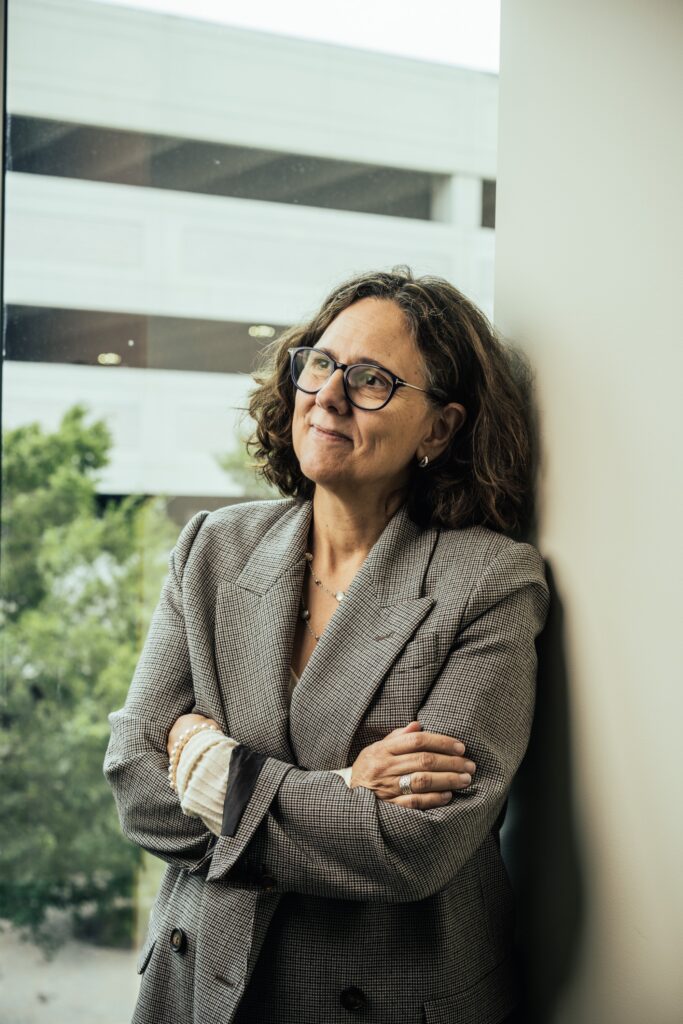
(446, 797)
(459, 747)
(466, 778)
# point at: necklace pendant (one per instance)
(305, 614)
(340, 595)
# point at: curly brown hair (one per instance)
(485, 474)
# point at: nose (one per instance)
(332, 395)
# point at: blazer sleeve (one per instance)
(326, 840)
(136, 761)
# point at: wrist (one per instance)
(177, 749)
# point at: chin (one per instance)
(326, 475)
(331, 479)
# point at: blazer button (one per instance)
(178, 940)
(353, 999)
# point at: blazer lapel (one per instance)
(382, 609)
(255, 622)
(256, 618)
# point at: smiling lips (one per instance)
(333, 435)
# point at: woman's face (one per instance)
(367, 451)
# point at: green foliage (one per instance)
(246, 474)
(78, 584)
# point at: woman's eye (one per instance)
(371, 380)
(320, 362)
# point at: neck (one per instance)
(342, 534)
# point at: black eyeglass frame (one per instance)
(396, 382)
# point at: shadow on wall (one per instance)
(538, 840)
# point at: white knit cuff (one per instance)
(204, 785)
(192, 753)
(205, 793)
(345, 774)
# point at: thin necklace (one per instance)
(338, 595)
(305, 615)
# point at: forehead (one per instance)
(372, 329)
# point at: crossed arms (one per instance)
(307, 830)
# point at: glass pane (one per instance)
(179, 188)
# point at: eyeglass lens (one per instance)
(368, 386)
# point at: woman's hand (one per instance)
(434, 760)
(183, 723)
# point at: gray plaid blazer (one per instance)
(328, 904)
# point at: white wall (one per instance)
(588, 279)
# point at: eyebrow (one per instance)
(358, 359)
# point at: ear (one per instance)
(446, 423)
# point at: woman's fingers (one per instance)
(428, 762)
(432, 772)
(435, 761)
(437, 782)
(422, 801)
(411, 727)
(401, 742)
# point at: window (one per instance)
(177, 192)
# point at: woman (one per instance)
(339, 686)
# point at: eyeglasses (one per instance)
(366, 385)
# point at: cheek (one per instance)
(399, 439)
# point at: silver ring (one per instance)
(404, 785)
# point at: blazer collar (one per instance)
(393, 569)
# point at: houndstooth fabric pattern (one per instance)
(328, 904)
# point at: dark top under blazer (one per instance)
(328, 903)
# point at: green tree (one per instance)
(245, 473)
(78, 583)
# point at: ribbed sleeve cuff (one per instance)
(202, 778)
